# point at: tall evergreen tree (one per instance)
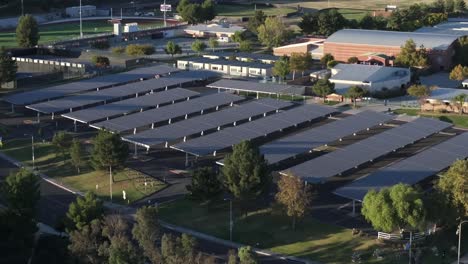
(323, 87)
(83, 211)
(205, 184)
(62, 141)
(147, 232)
(257, 20)
(77, 154)
(27, 32)
(8, 67)
(281, 68)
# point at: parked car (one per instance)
(150, 14)
(138, 13)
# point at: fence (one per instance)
(402, 237)
(69, 69)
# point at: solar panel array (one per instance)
(202, 123)
(228, 137)
(111, 94)
(302, 142)
(153, 116)
(411, 170)
(130, 105)
(342, 160)
(271, 88)
(87, 85)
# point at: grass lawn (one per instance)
(264, 229)
(56, 32)
(361, 4)
(53, 165)
(249, 10)
(356, 14)
(455, 119)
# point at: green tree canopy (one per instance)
(8, 67)
(398, 207)
(459, 101)
(460, 6)
(281, 68)
(419, 91)
(208, 11)
(147, 232)
(21, 192)
(309, 23)
(295, 196)
(245, 46)
(353, 60)
(272, 33)
(27, 32)
(205, 184)
(77, 154)
(213, 43)
(327, 57)
(454, 184)
(246, 256)
(323, 87)
(89, 244)
(83, 211)
(256, 21)
(245, 172)
(238, 36)
(459, 73)
(62, 141)
(194, 13)
(198, 46)
(330, 21)
(410, 56)
(172, 48)
(355, 92)
(300, 62)
(109, 151)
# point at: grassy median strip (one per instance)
(51, 163)
(455, 119)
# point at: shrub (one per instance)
(100, 61)
(331, 64)
(138, 50)
(353, 60)
(118, 50)
(100, 44)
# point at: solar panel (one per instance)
(129, 106)
(342, 160)
(237, 85)
(87, 85)
(411, 170)
(201, 123)
(302, 142)
(228, 137)
(165, 113)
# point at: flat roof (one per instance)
(411, 170)
(367, 73)
(237, 63)
(248, 86)
(244, 55)
(67, 104)
(147, 118)
(228, 137)
(215, 28)
(391, 38)
(198, 124)
(290, 146)
(100, 82)
(319, 169)
(130, 105)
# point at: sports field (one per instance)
(56, 32)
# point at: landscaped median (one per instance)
(50, 162)
(456, 119)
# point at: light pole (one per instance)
(231, 222)
(81, 22)
(22, 8)
(459, 231)
(32, 149)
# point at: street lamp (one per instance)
(81, 22)
(32, 148)
(231, 222)
(459, 233)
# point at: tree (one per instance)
(419, 91)
(256, 21)
(330, 21)
(123, 251)
(327, 57)
(331, 64)
(147, 232)
(205, 184)
(459, 73)
(461, 51)
(309, 23)
(410, 56)
(454, 184)
(21, 192)
(198, 46)
(281, 68)
(62, 141)
(353, 60)
(459, 101)
(189, 12)
(238, 36)
(139, 49)
(8, 67)
(77, 154)
(245, 46)
(273, 33)
(88, 244)
(246, 256)
(176, 250)
(355, 92)
(300, 62)
(172, 48)
(83, 211)
(27, 32)
(232, 257)
(208, 11)
(295, 196)
(213, 43)
(323, 87)
(109, 152)
(245, 172)
(100, 61)
(398, 207)
(460, 6)
(449, 6)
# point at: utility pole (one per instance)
(459, 231)
(81, 22)
(22, 7)
(165, 10)
(410, 245)
(32, 149)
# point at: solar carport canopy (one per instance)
(105, 81)
(111, 94)
(411, 170)
(153, 116)
(228, 137)
(302, 142)
(342, 160)
(246, 86)
(205, 122)
(129, 106)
